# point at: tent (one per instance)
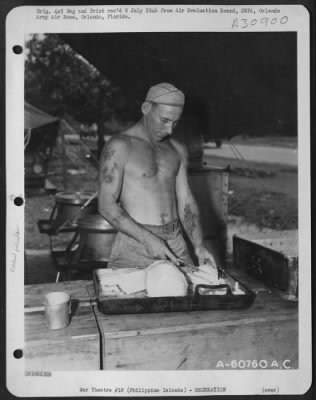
(40, 133)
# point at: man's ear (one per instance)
(146, 107)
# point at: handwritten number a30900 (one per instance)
(265, 21)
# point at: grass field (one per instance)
(265, 195)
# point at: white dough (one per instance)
(163, 279)
(204, 275)
(129, 280)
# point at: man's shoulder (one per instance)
(117, 146)
(180, 148)
(120, 140)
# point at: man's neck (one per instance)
(143, 134)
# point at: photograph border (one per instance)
(16, 191)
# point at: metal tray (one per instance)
(139, 303)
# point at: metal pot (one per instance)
(96, 239)
(68, 207)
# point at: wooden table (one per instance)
(267, 331)
(76, 347)
(82, 291)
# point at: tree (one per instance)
(61, 82)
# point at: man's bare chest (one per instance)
(145, 162)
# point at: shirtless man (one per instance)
(144, 191)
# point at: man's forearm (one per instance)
(123, 222)
(190, 219)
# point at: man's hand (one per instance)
(158, 248)
(205, 257)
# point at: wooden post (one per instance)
(100, 136)
(63, 155)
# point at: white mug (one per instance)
(57, 309)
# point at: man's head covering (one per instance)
(165, 93)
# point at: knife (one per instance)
(194, 267)
(220, 272)
(185, 273)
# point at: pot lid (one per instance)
(94, 221)
(73, 197)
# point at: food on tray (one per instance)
(160, 279)
(163, 278)
(121, 281)
(205, 275)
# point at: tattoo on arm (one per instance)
(107, 153)
(190, 220)
(107, 174)
(163, 217)
(119, 218)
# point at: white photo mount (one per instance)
(25, 20)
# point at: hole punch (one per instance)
(17, 49)
(18, 353)
(18, 201)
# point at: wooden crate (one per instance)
(273, 259)
(210, 190)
